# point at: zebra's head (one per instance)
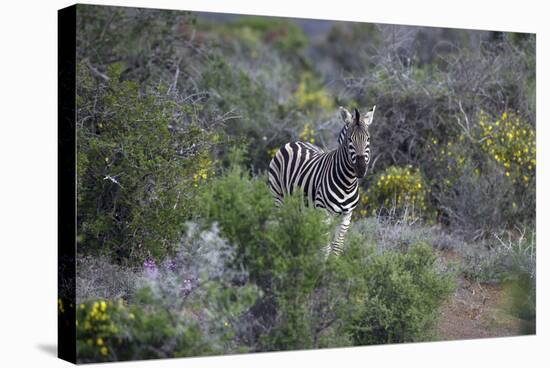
(357, 138)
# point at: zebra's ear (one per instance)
(346, 116)
(356, 116)
(369, 116)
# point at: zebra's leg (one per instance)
(337, 245)
(327, 221)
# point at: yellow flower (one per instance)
(99, 341)
(103, 306)
(103, 351)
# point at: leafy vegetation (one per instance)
(136, 171)
(402, 294)
(397, 191)
(181, 250)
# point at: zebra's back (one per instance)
(294, 166)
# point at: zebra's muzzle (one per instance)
(360, 166)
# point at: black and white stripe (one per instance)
(329, 180)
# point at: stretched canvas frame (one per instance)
(67, 176)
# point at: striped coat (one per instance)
(329, 180)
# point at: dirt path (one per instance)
(476, 311)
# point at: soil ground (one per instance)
(476, 310)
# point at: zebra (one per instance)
(329, 180)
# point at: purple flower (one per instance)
(169, 265)
(186, 286)
(150, 268)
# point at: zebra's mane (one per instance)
(342, 135)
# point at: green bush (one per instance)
(187, 305)
(503, 258)
(291, 259)
(397, 191)
(511, 142)
(311, 96)
(284, 35)
(113, 331)
(144, 41)
(240, 204)
(484, 179)
(401, 296)
(281, 249)
(523, 301)
(361, 297)
(252, 112)
(140, 162)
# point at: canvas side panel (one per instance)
(66, 161)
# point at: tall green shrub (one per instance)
(402, 294)
(141, 159)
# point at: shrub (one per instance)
(284, 35)
(523, 301)
(252, 111)
(311, 97)
(484, 180)
(100, 278)
(437, 95)
(187, 305)
(503, 258)
(403, 291)
(289, 264)
(141, 158)
(113, 331)
(281, 249)
(240, 204)
(144, 41)
(397, 191)
(309, 302)
(511, 143)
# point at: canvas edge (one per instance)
(66, 175)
